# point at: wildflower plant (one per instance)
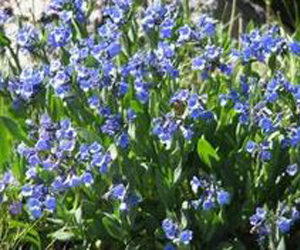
(147, 130)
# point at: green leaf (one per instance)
(4, 41)
(136, 106)
(62, 235)
(206, 152)
(13, 128)
(113, 227)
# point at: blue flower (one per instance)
(166, 28)
(114, 49)
(87, 178)
(123, 140)
(123, 88)
(295, 48)
(170, 228)
(266, 155)
(131, 115)
(27, 37)
(16, 207)
(266, 124)
(208, 204)
(36, 212)
(292, 169)
(284, 224)
(112, 125)
(186, 236)
(169, 246)
(59, 36)
(223, 197)
(50, 203)
(185, 33)
(118, 192)
(198, 63)
(94, 102)
(206, 25)
(74, 181)
(27, 190)
(250, 146)
(33, 202)
(195, 184)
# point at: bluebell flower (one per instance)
(131, 115)
(265, 155)
(185, 33)
(59, 36)
(166, 28)
(223, 197)
(58, 185)
(207, 25)
(165, 50)
(50, 203)
(27, 190)
(114, 49)
(284, 224)
(123, 140)
(251, 146)
(36, 212)
(95, 147)
(169, 246)
(16, 207)
(123, 4)
(259, 222)
(195, 184)
(43, 145)
(94, 102)
(292, 169)
(33, 202)
(198, 63)
(104, 111)
(295, 48)
(142, 91)
(244, 119)
(28, 37)
(180, 96)
(8, 178)
(111, 125)
(31, 173)
(186, 236)
(187, 133)
(123, 88)
(118, 191)
(74, 181)
(154, 15)
(115, 13)
(87, 178)
(34, 160)
(266, 124)
(4, 16)
(295, 214)
(208, 204)
(170, 228)
(165, 128)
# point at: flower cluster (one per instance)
(210, 194)
(258, 45)
(126, 198)
(173, 232)
(29, 83)
(261, 221)
(54, 151)
(114, 121)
